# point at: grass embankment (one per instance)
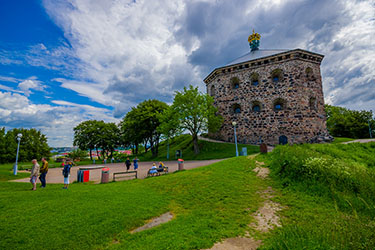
(208, 150)
(341, 140)
(329, 195)
(209, 204)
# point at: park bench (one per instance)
(161, 171)
(125, 175)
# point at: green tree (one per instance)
(169, 126)
(141, 123)
(344, 122)
(85, 135)
(195, 113)
(33, 145)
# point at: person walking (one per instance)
(66, 173)
(135, 163)
(34, 173)
(43, 172)
(128, 164)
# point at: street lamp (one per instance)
(369, 125)
(18, 148)
(235, 137)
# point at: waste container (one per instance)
(105, 175)
(243, 151)
(79, 176)
(86, 175)
(180, 164)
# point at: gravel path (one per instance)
(55, 174)
(360, 141)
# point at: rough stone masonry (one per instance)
(273, 96)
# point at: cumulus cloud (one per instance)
(129, 48)
(56, 121)
(28, 85)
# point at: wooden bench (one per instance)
(125, 174)
(160, 171)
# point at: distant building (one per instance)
(274, 96)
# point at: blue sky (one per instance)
(63, 62)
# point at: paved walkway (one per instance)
(360, 141)
(55, 174)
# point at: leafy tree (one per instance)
(85, 135)
(97, 135)
(169, 126)
(141, 123)
(33, 145)
(78, 154)
(344, 122)
(195, 113)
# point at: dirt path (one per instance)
(266, 218)
(360, 141)
(55, 174)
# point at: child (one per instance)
(153, 170)
(66, 174)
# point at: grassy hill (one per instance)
(327, 193)
(208, 150)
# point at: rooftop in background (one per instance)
(256, 54)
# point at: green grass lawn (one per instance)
(209, 203)
(341, 140)
(329, 195)
(208, 150)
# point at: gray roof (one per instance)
(256, 54)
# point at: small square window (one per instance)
(255, 83)
(256, 108)
(275, 79)
(236, 86)
(237, 110)
(278, 107)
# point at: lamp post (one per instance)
(235, 137)
(19, 136)
(369, 125)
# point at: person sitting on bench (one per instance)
(161, 167)
(153, 170)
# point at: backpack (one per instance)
(66, 170)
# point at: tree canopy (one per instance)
(195, 112)
(344, 122)
(140, 125)
(97, 135)
(33, 145)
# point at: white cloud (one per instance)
(27, 85)
(57, 122)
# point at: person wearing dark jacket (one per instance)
(43, 172)
(128, 164)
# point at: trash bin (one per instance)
(86, 175)
(244, 151)
(79, 176)
(180, 164)
(105, 175)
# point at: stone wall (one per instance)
(298, 91)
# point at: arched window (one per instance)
(212, 92)
(254, 79)
(309, 73)
(256, 106)
(277, 75)
(235, 82)
(312, 103)
(279, 104)
(236, 108)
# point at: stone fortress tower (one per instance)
(274, 96)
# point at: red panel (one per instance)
(86, 175)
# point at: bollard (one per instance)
(180, 164)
